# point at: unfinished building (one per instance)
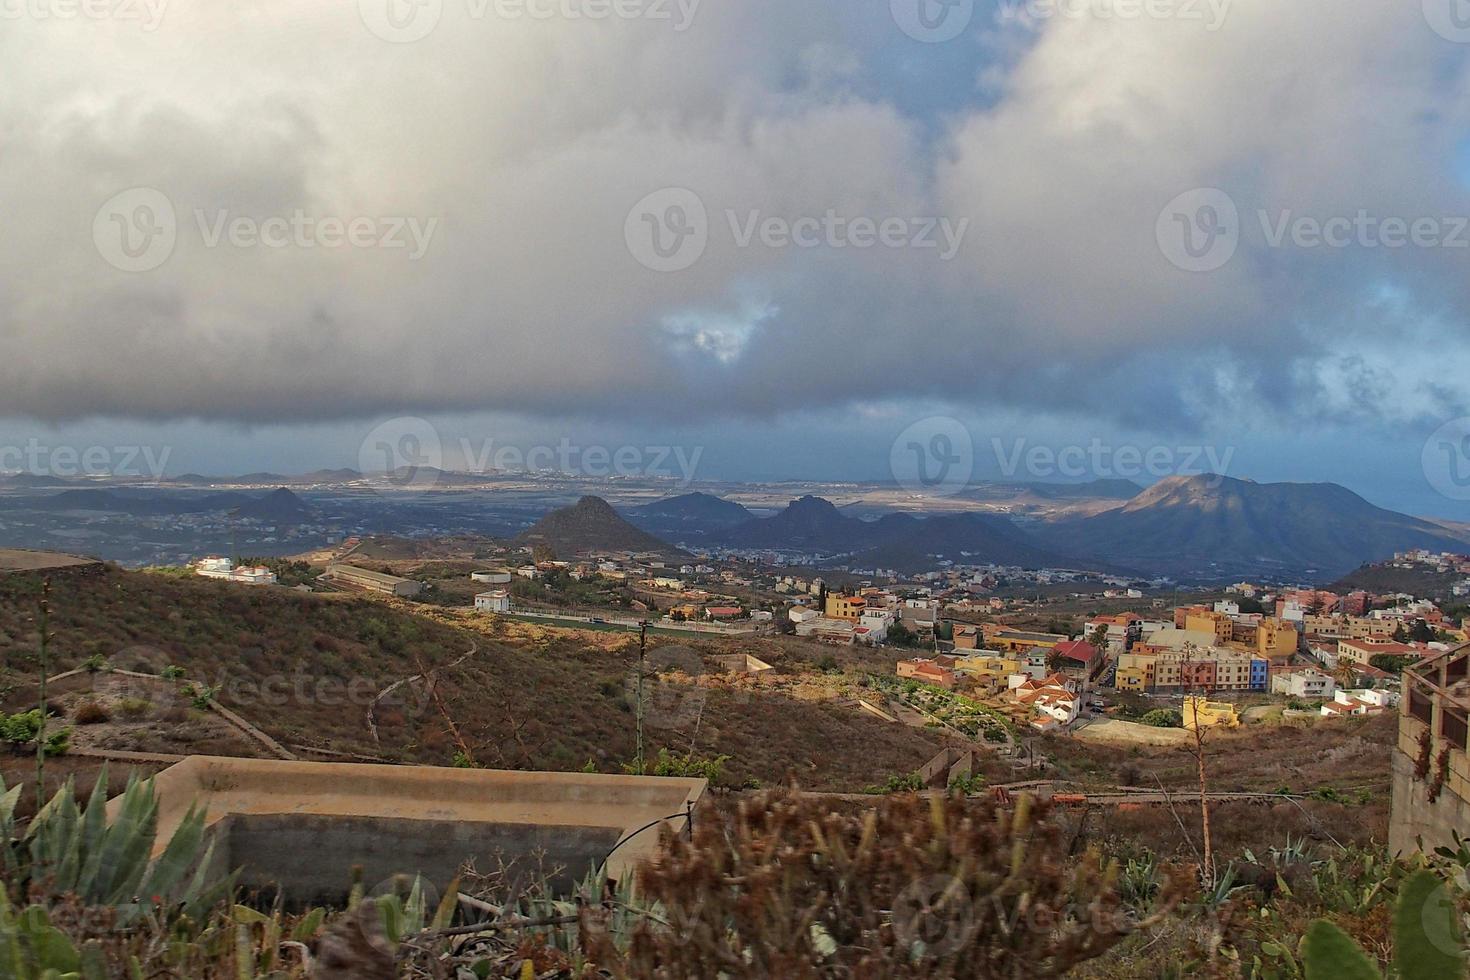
(1431, 761)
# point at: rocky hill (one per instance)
(590, 525)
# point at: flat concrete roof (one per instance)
(581, 806)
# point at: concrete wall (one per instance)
(1415, 818)
(309, 858)
(305, 825)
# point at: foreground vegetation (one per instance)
(785, 885)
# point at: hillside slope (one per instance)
(1211, 527)
(902, 541)
(304, 669)
(590, 525)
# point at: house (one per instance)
(497, 601)
(967, 637)
(1305, 683)
(1346, 703)
(1202, 713)
(845, 606)
(724, 612)
(1077, 656)
(1016, 641)
(826, 630)
(1053, 697)
(875, 623)
(1363, 651)
(927, 672)
(987, 667)
(223, 569)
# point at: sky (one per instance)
(796, 236)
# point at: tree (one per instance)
(1189, 682)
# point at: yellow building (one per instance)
(1135, 672)
(1209, 621)
(1017, 641)
(1276, 639)
(1203, 713)
(987, 667)
(845, 606)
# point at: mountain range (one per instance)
(1213, 526)
(1191, 528)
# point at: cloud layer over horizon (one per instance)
(516, 149)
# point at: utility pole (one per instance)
(642, 653)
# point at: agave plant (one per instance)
(68, 850)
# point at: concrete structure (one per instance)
(497, 601)
(302, 826)
(362, 578)
(827, 630)
(1431, 763)
(491, 577)
(741, 663)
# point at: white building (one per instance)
(877, 622)
(224, 570)
(497, 601)
(1304, 684)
